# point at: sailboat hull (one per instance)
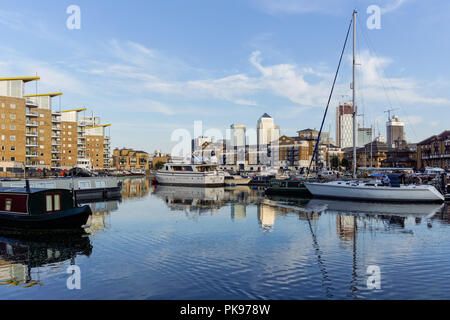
(351, 191)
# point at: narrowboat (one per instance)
(86, 188)
(42, 209)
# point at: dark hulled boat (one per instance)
(42, 209)
(288, 187)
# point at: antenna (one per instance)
(389, 112)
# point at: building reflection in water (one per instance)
(349, 215)
(194, 202)
(135, 188)
(346, 227)
(238, 211)
(266, 216)
(21, 257)
(99, 220)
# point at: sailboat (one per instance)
(374, 190)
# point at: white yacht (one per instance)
(370, 191)
(205, 175)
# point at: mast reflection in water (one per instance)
(162, 242)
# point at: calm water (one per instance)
(185, 243)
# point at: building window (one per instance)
(13, 159)
(8, 204)
(49, 203)
(11, 127)
(13, 148)
(12, 138)
(12, 116)
(12, 106)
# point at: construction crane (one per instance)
(389, 112)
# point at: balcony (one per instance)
(32, 124)
(31, 154)
(56, 136)
(31, 104)
(56, 151)
(56, 158)
(31, 144)
(31, 134)
(56, 143)
(30, 113)
(56, 128)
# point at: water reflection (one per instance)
(99, 220)
(245, 246)
(135, 188)
(391, 216)
(21, 257)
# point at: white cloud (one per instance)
(376, 86)
(323, 6)
(11, 20)
(53, 77)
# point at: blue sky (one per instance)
(150, 67)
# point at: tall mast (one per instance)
(354, 94)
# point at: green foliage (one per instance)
(346, 164)
(335, 163)
(159, 165)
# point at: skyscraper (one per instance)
(239, 135)
(344, 125)
(395, 130)
(267, 132)
(239, 142)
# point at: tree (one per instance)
(159, 165)
(346, 164)
(335, 163)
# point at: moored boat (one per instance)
(42, 209)
(237, 180)
(374, 191)
(292, 186)
(86, 188)
(204, 175)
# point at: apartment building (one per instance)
(434, 152)
(34, 134)
(18, 123)
(129, 159)
(71, 134)
(298, 151)
(371, 155)
(98, 146)
(48, 128)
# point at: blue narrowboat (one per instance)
(43, 209)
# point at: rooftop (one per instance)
(24, 79)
